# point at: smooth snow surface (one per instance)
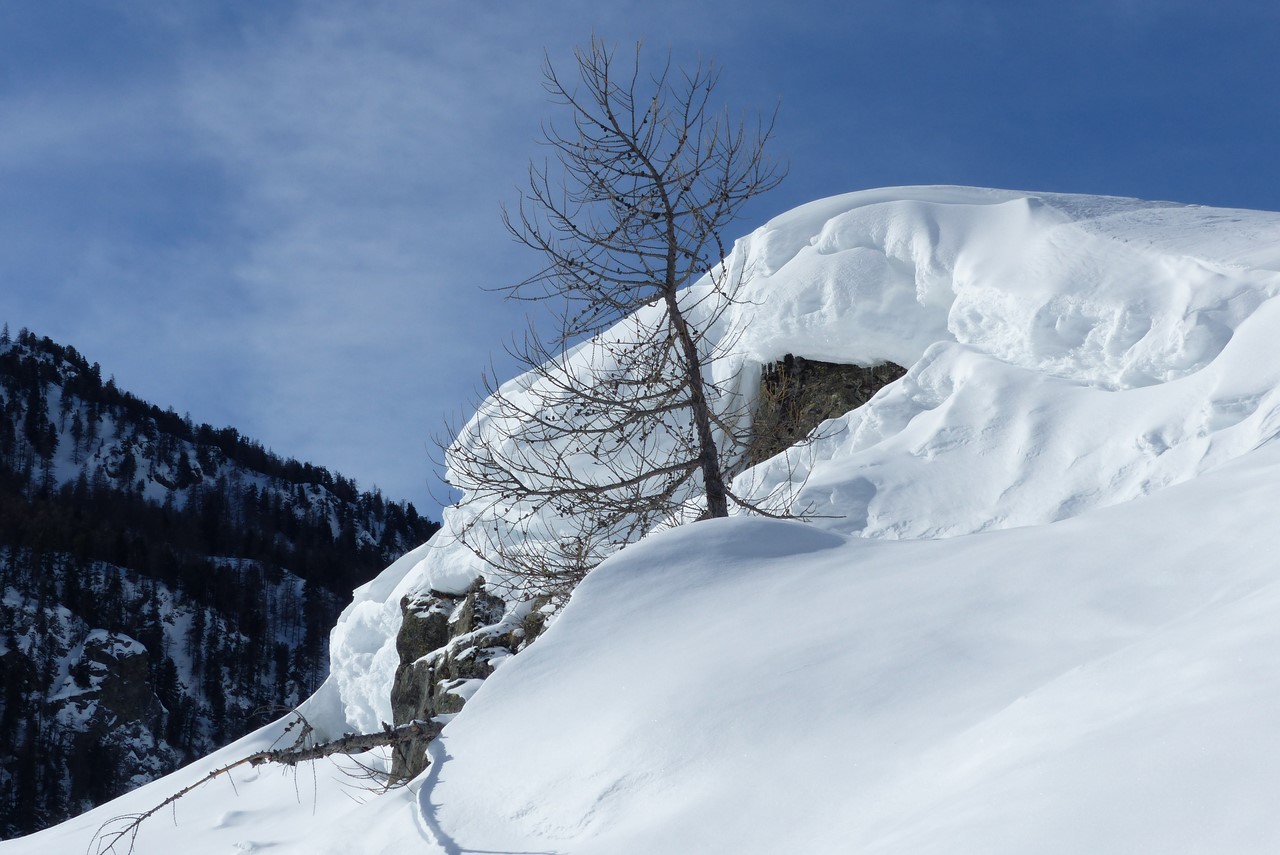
(1038, 611)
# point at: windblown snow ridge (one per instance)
(1065, 353)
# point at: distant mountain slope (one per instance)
(162, 582)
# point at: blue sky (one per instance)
(283, 216)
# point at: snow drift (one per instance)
(1034, 612)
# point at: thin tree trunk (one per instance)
(708, 454)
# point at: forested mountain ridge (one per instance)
(161, 581)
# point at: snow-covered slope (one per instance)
(1036, 612)
(1065, 352)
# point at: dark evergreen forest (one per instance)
(166, 586)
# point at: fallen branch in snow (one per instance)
(108, 839)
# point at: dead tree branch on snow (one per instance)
(122, 831)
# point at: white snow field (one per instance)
(1038, 610)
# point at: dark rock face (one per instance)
(798, 394)
(111, 717)
(122, 667)
(447, 645)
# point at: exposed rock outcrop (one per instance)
(447, 645)
(120, 672)
(798, 394)
(108, 707)
(108, 683)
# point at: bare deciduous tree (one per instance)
(618, 426)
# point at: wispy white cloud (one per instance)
(369, 149)
(281, 215)
(368, 153)
(355, 155)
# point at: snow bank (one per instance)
(1099, 685)
(1065, 353)
(1036, 612)
(1095, 350)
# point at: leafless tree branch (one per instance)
(617, 427)
(119, 834)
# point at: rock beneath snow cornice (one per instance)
(798, 394)
(447, 645)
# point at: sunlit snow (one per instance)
(1036, 610)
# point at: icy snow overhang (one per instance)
(1064, 353)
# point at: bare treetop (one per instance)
(598, 445)
(646, 174)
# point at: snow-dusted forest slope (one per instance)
(1036, 609)
(163, 583)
